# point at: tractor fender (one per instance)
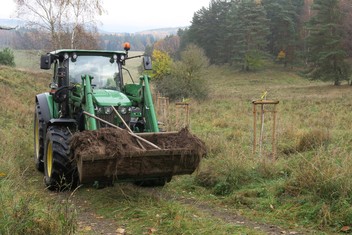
(46, 110)
(42, 100)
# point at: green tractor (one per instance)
(94, 127)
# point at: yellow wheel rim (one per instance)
(49, 158)
(36, 137)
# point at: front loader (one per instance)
(93, 127)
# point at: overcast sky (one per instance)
(137, 15)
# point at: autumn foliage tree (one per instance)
(169, 44)
(161, 64)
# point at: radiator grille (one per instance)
(112, 118)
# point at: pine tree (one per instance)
(284, 21)
(249, 32)
(326, 55)
(207, 29)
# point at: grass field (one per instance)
(308, 186)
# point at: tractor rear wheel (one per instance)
(38, 139)
(60, 173)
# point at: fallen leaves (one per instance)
(346, 229)
(87, 228)
(151, 230)
(121, 231)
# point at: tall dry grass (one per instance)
(23, 209)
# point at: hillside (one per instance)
(306, 189)
(25, 38)
(161, 33)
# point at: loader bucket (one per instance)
(111, 154)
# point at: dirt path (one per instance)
(88, 221)
(222, 213)
(91, 223)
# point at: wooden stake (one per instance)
(262, 111)
(254, 128)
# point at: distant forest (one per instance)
(31, 39)
(248, 34)
(228, 31)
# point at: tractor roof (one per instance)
(87, 52)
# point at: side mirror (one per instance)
(45, 61)
(147, 62)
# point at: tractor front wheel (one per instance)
(38, 139)
(60, 173)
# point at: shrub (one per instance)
(7, 57)
(223, 180)
(177, 88)
(313, 139)
(186, 78)
(325, 176)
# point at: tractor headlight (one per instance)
(74, 57)
(105, 110)
(122, 110)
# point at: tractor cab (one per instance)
(105, 67)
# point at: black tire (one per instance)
(60, 172)
(38, 139)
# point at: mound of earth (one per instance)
(105, 142)
(110, 152)
(182, 139)
(118, 142)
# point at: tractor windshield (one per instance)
(105, 74)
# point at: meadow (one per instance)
(306, 188)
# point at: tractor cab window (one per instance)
(105, 74)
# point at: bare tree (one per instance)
(43, 14)
(83, 13)
(59, 17)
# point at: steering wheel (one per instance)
(61, 94)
